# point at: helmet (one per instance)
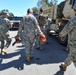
(74, 7)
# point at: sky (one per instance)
(19, 7)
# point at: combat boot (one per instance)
(3, 51)
(39, 48)
(64, 66)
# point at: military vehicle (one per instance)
(15, 22)
(60, 15)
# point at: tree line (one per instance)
(44, 3)
(10, 13)
(40, 4)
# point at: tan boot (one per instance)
(3, 51)
(28, 59)
(64, 66)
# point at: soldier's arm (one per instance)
(20, 28)
(37, 26)
(8, 23)
(67, 28)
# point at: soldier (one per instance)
(4, 32)
(42, 26)
(47, 27)
(70, 29)
(29, 25)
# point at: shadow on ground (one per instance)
(51, 53)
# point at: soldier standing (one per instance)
(29, 25)
(47, 27)
(70, 29)
(42, 23)
(4, 32)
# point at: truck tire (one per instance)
(63, 40)
(60, 10)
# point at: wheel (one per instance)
(63, 40)
(60, 10)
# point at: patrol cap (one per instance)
(74, 7)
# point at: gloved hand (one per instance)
(42, 38)
(17, 40)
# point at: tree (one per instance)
(53, 2)
(39, 3)
(42, 4)
(35, 9)
(11, 14)
(46, 3)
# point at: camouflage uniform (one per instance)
(4, 33)
(70, 29)
(29, 25)
(47, 27)
(42, 27)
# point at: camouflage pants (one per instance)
(29, 45)
(71, 58)
(3, 39)
(40, 43)
(47, 29)
(67, 48)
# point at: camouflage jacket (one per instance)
(70, 29)
(4, 25)
(42, 19)
(29, 26)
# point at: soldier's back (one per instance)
(28, 26)
(42, 19)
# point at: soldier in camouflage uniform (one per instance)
(29, 26)
(42, 27)
(70, 29)
(47, 27)
(4, 32)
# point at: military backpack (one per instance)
(42, 19)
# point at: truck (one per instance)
(15, 22)
(60, 15)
